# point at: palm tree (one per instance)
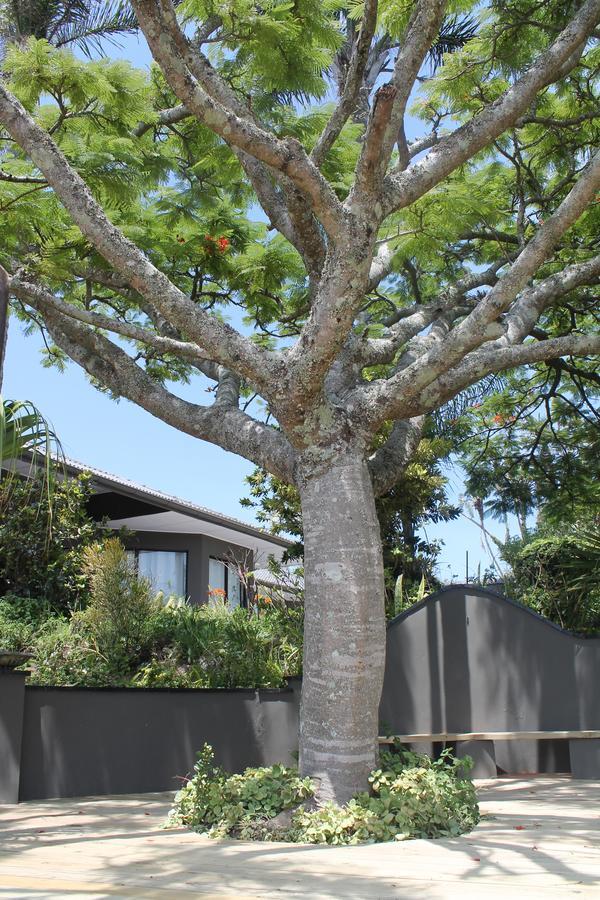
(25, 433)
(23, 429)
(85, 24)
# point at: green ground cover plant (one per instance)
(410, 796)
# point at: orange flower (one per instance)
(223, 244)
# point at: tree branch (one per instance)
(525, 312)
(482, 362)
(219, 340)
(387, 116)
(389, 462)
(221, 424)
(354, 79)
(452, 151)
(41, 299)
(383, 400)
(204, 93)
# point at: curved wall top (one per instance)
(470, 659)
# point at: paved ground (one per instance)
(538, 838)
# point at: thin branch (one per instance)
(200, 88)
(404, 188)
(353, 83)
(220, 424)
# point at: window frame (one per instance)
(226, 564)
(186, 553)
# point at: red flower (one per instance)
(223, 244)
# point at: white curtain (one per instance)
(165, 569)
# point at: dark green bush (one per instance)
(556, 573)
(211, 646)
(411, 796)
(42, 540)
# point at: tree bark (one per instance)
(344, 641)
(4, 312)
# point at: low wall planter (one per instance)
(10, 659)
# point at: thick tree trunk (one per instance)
(344, 649)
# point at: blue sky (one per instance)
(127, 441)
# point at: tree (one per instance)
(86, 24)
(532, 448)
(42, 541)
(79, 23)
(383, 283)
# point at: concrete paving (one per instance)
(539, 838)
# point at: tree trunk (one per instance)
(344, 640)
(3, 321)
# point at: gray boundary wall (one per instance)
(466, 659)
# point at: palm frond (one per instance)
(25, 433)
(88, 25)
(454, 34)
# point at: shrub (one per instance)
(42, 540)
(217, 803)
(123, 617)
(65, 655)
(411, 796)
(122, 626)
(556, 574)
(236, 648)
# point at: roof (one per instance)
(289, 580)
(172, 504)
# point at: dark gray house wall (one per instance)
(199, 549)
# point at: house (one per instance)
(184, 549)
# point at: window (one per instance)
(223, 577)
(165, 569)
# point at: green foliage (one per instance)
(122, 625)
(123, 617)
(83, 23)
(404, 599)
(43, 537)
(555, 572)
(411, 796)
(533, 445)
(17, 624)
(125, 636)
(24, 429)
(211, 646)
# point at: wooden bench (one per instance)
(584, 747)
